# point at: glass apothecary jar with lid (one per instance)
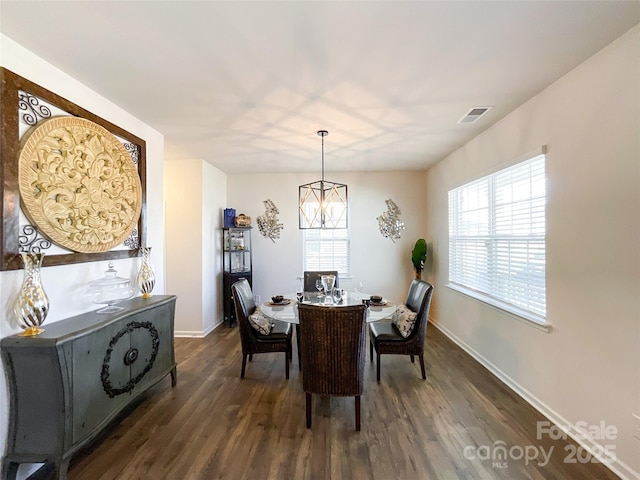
(110, 290)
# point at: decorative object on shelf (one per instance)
(32, 305)
(389, 222)
(268, 223)
(243, 220)
(236, 265)
(229, 217)
(419, 256)
(79, 185)
(146, 279)
(322, 204)
(110, 289)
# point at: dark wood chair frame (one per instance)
(279, 340)
(333, 353)
(385, 337)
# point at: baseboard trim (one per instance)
(196, 333)
(618, 467)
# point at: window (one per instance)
(327, 250)
(497, 239)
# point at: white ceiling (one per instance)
(246, 85)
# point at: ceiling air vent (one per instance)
(474, 114)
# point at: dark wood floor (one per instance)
(214, 425)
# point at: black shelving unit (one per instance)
(236, 264)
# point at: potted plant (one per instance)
(419, 256)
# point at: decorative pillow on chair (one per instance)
(260, 322)
(405, 319)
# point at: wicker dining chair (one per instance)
(333, 352)
(279, 340)
(310, 277)
(309, 285)
(385, 337)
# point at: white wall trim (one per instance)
(196, 333)
(471, 175)
(503, 307)
(618, 467)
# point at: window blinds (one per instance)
(497, 237)
(327, 250)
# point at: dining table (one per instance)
(287, 309)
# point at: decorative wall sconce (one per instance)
(268, 223)
(389, 222)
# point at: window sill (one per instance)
(342, 278)
(514, 312)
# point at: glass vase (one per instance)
(146, 278)
(32, 305)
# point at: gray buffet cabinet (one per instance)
(68, 383)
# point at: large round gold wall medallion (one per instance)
(78, 184)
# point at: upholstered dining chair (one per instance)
(310, 277)
(333, 352)
(278, 340)
(385, 337)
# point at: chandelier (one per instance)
(322, 204)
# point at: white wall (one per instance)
(383, 266)
(195, 195)
(587, 369)
(66, 286)
(214, 195)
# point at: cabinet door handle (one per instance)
(131, 356)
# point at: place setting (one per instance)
(278, 301)
(377, 301)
